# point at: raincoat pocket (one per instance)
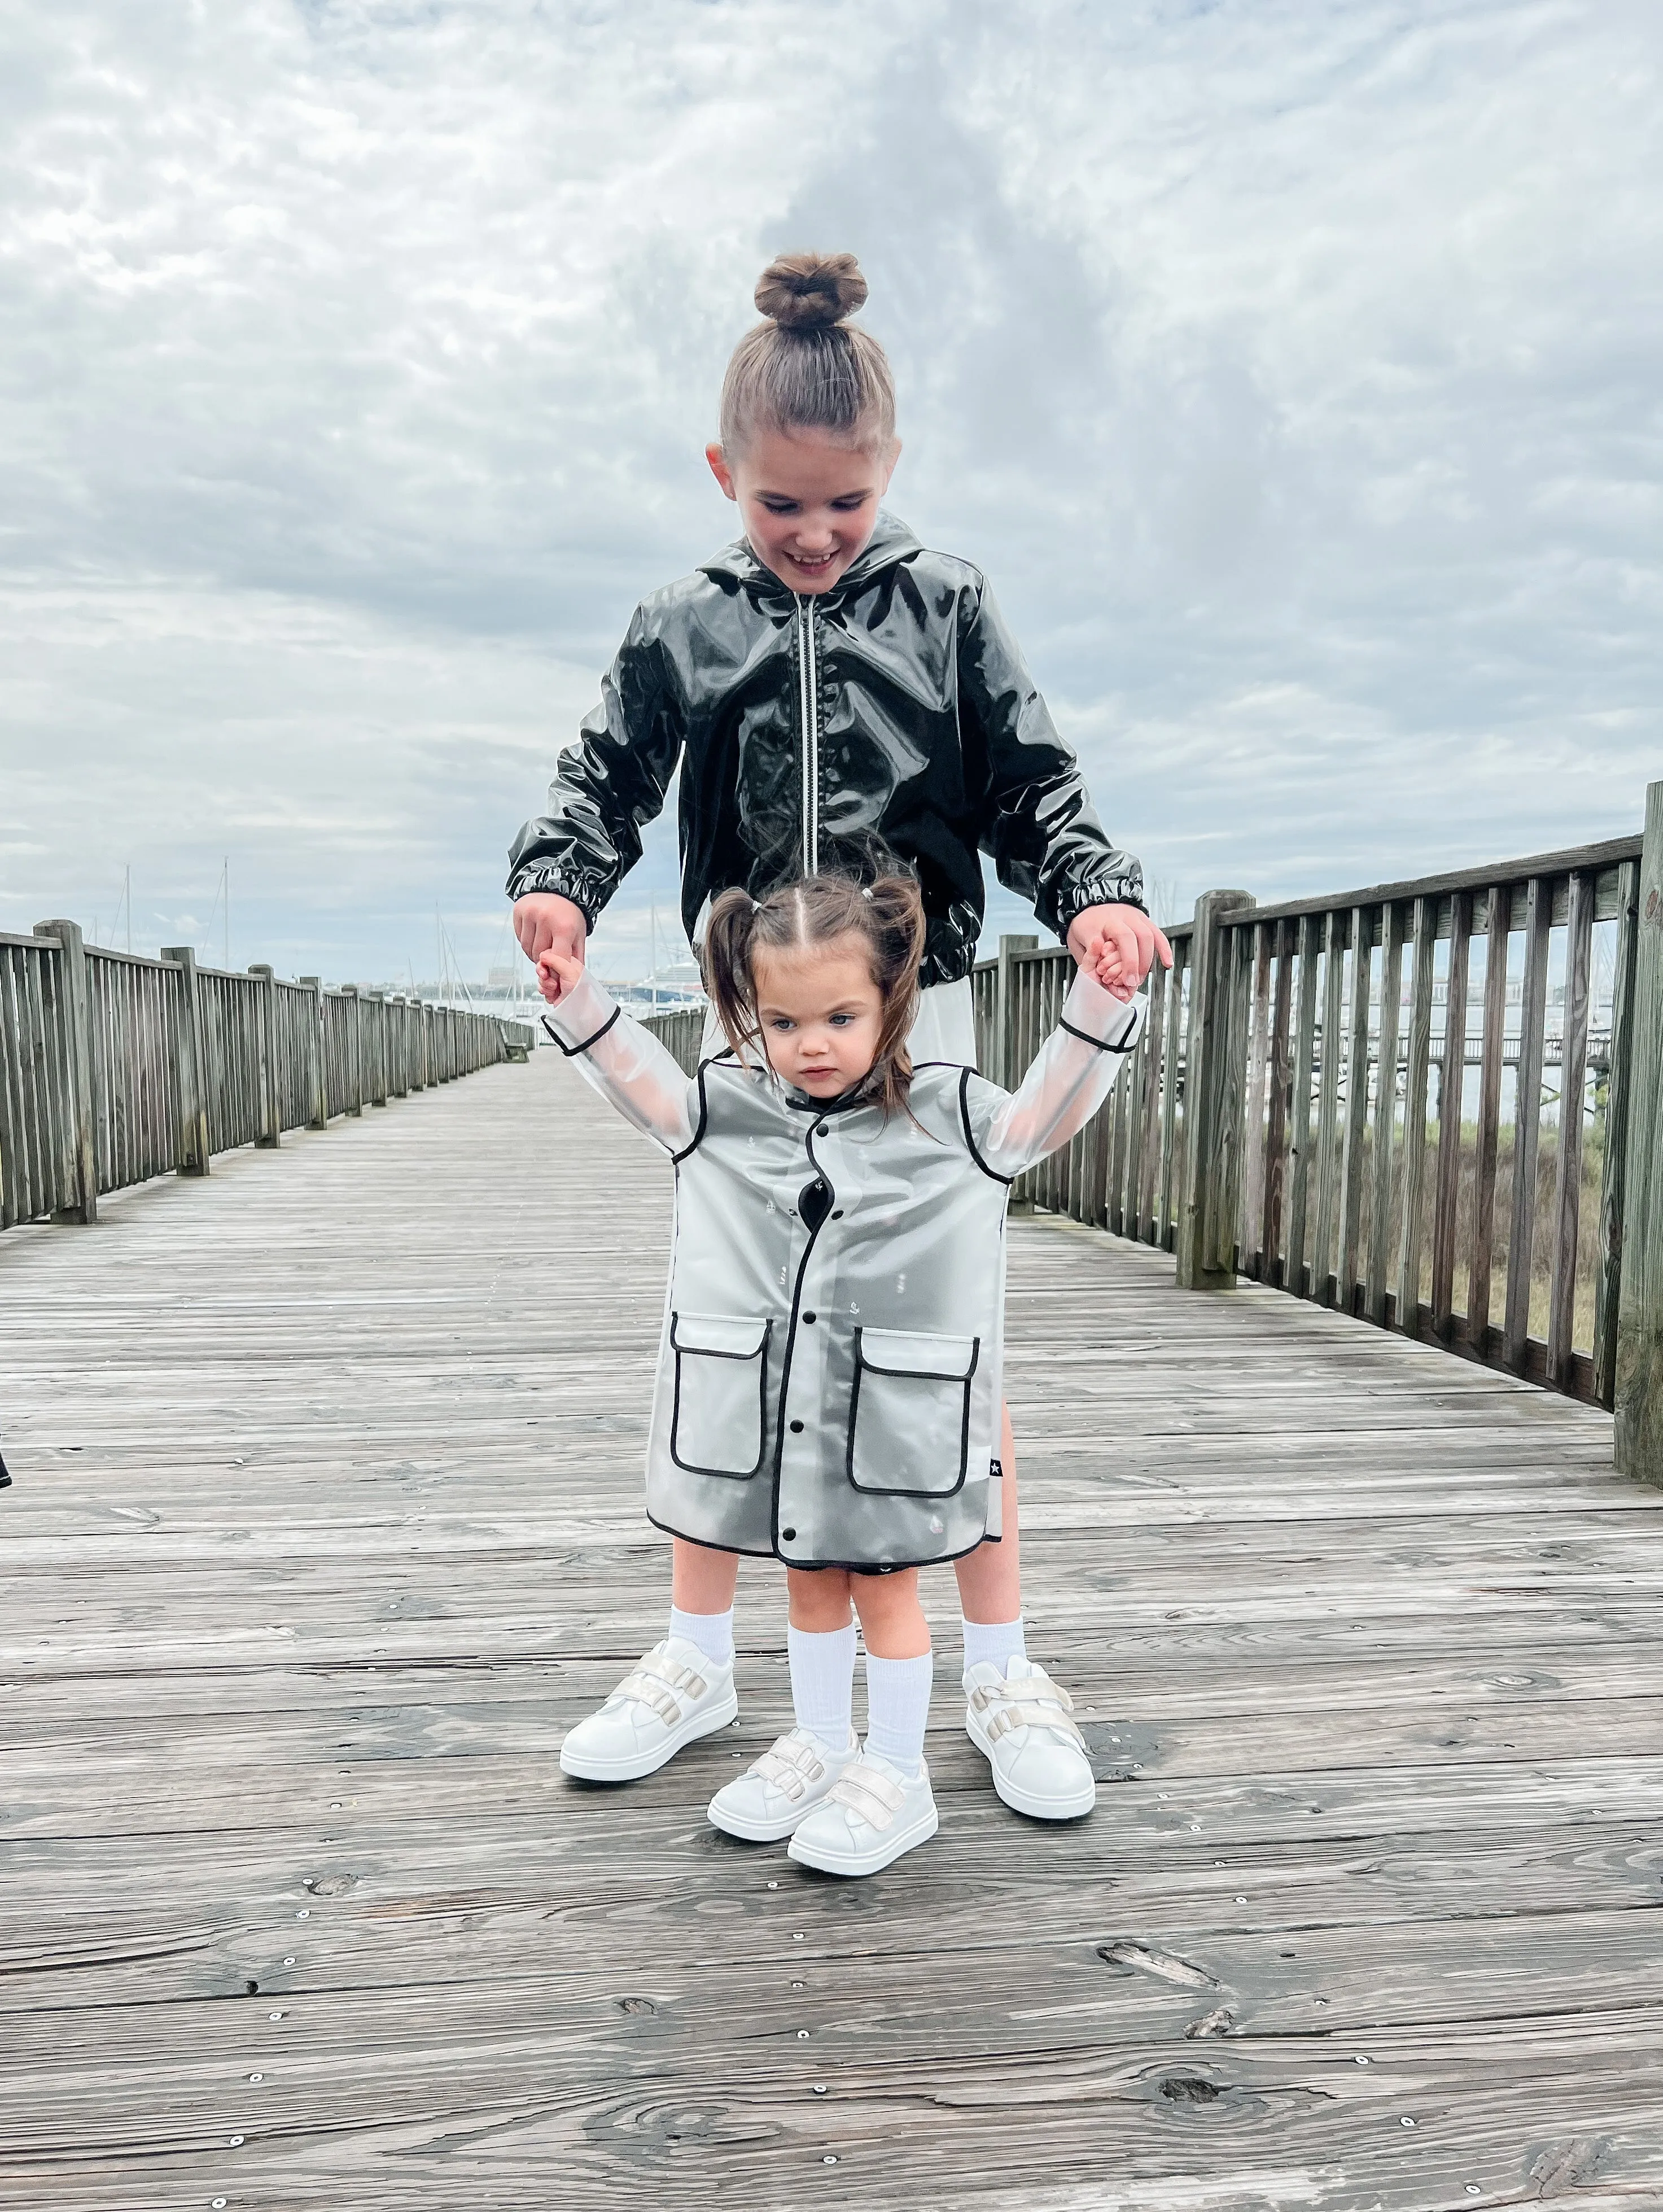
(909, 1412)
(719, 1423)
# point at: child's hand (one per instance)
(1118, 944)
(1110, 972)
(557, 975)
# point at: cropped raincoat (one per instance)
(828, 1381)
(893, 713)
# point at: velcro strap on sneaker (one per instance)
(790, 1766)
(1024, 1715)
(1031, 1692)
(653, 1684)
(1032, 1701)
(873, 1796)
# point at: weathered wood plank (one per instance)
(1275, 1268)
(1489, 1110)
(1152, 1071)
(1417, 1073)
(1568, 1181)
(1601, 860)
(1251, 1230)
(1206, 1213)
(1172, 1048)
(67, 982)
(1639, 1376)
(1451, 1071)
(1386, 1111)
(1527, 1119)
(1362, 933)
(1619, 1078)
(1327, 1119)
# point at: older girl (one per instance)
(829, 1383)
(824, 684)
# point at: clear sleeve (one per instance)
(1074, 1071)
(625, 1063)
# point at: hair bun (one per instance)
(810, 291)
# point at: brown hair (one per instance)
(888, 919)
(804, 368)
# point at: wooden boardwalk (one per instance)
(326, 1526)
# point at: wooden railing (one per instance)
(1436, 1105)
(1348, 1155)
(1300, 1109)
(114, 1068)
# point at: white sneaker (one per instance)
(871, 1813)
(1019, 1721)
(765, 1803)
(675, 1694)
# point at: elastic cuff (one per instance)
(1111, 891)
(544, 876)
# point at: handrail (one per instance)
(1273, 1123)
(1299, 1110)
(118, 1067)
(1602, 859)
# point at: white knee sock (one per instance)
(995, 1642)
(897, 1707)
(713, 1632)
(822, 1681)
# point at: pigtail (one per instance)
(895, 912)
(725, 957)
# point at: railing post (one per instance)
(265, 1058)
(352, 1054)
(399, 1047)
(317, 1080)
(77, 1031)
(1639, 1406)
(1205, 1239)
(1007, 1073)
(376, 1008)
(189, 1064)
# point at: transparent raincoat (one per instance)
(829, 1373)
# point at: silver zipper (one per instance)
(808, 702)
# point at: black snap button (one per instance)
(823, 1129)
(789, 1535)
(797, 1428)
(837, 1213)
(809, 1316)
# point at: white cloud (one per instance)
(1292, 370)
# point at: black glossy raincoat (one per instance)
(893, 711)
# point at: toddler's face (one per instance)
(808, 504)
(820, 1013)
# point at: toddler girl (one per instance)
(828, 1381)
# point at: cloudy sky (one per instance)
(1292, 366)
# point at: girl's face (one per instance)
(820, 1013)
(808, 504)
